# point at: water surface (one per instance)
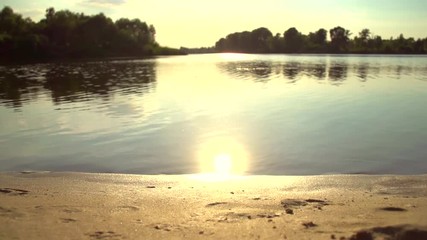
(251, 114)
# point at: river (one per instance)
(217, 113)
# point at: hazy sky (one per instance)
(196, 23)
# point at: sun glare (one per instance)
(223, 164)
(222, 157)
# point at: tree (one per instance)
(293, 40)
(319, 37)
(220, 45)
(260, 38)
(339, 39)
(363, 42)
(135, 35)
(7, 20)
(276, 44)
(67, 34)
(365, 35)
(375, 43)
(317, 40)
(50, 14)
(152, 33)
(256, 41)
(93, 36)
(12, 23)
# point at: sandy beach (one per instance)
(47, 205)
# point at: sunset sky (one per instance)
(197, 23)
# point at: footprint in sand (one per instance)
(168, 227)
(309, 224)
(215, 204)
(9, 213)
(289, 204)
(68, 220)
(71, 210)
(164, 227)
(121, 209)
(131, 208)
(104, 235)
(393, 209)
(13, 191)
(176, 226)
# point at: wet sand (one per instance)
(47, 205)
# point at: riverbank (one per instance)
(49, 205)
(64, 60)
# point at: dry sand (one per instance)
(117, 206)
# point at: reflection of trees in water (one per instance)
(11, 89)
(399, 70)
(264, 71)
(93, 80)
(424, 75)
(19, 84)
(75, 81)
(317, 70)
(261, 70)
(257, 71)
(337, 73)
(291, 70)
(362, 72)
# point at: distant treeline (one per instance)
(261, 40)
(198, 50)
(65, 34)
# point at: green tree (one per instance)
(362, 42)
(317, 41)
(276, 44)
(64, 34)
(365, 35)
(135, 35)
(93, 36)
(375, 44)
(220, 45)
(256, 41)
(339, 39)
(260, 38)
(293, 40)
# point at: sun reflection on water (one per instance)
(222, 158)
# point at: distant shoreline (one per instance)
(130, 58)
(5, 62)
